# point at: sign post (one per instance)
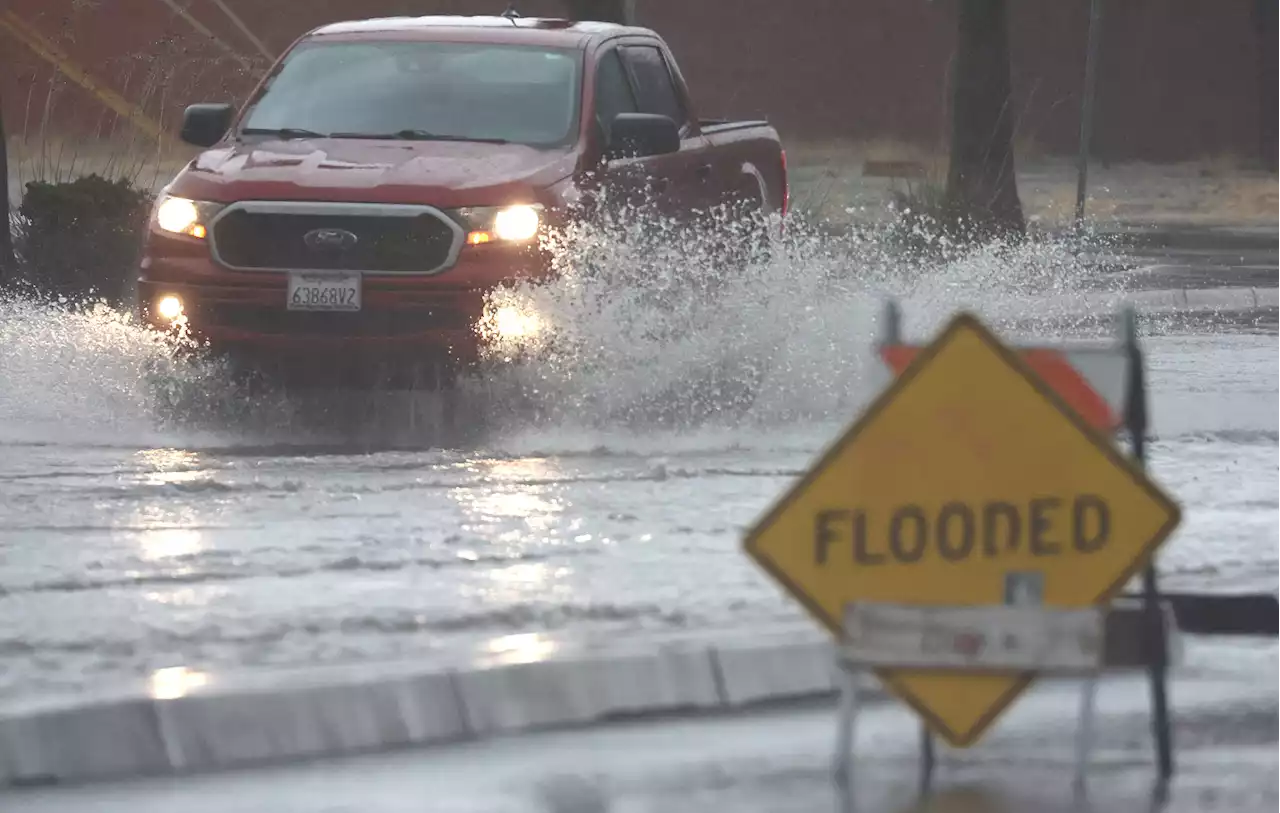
(1136, 427)
(969, 511)
(1087, 107)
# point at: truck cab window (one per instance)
(454, 90)
(655, 89)
(613, 92)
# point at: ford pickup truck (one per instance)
(344, 225)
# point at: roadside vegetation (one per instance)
(80, 238)
(76, 224)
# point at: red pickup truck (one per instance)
(344, 226)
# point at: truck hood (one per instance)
(442, 173)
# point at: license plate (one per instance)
(324, 292)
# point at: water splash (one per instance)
(646, 326)
(73, 372)
(657, 328)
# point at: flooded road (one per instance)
(130, 545)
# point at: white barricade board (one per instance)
(979, 638)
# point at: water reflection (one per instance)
(187, 596)
(527, 581)
(527, 647)
(167, 531)
(173, 682)
(168, 462)
(169, 543)
(514, 494)
(513, 507)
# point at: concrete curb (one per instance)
(1207, 299)
(332, 712)
(1184, 299)
(271, 718)
(1150, 302)
(1221, 237)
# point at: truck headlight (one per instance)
(517, 223)
(182, 216)
(169, 307)
(511, 327)
(513, 224)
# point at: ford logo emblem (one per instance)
(329, 240)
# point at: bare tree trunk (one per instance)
(8, 266)
(980, 182)
(1265, 21)
(605, 11)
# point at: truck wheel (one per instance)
(745, 229)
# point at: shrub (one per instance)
(82, 238)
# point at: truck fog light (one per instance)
(516, 223)
(513, 323)
(169, 308)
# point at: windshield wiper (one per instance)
(283, 132)
(419, 135)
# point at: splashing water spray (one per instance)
(645, 324)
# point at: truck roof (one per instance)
(531, 30)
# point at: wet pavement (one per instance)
(779, 759)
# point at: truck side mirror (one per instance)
(205, 124)
(640, 135)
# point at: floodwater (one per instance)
(656, 417)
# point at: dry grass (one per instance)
(842, 181)
(143, 162)
(886, 150)
(830, 182)
(1222, 165)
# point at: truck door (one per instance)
(688, 172)
(627, 81)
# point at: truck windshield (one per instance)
(423, 90)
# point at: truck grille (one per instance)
(414, 240)
(272, 320)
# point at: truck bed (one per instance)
(709, 126)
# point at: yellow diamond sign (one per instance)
(966, 482)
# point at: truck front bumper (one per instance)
(407, 328)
